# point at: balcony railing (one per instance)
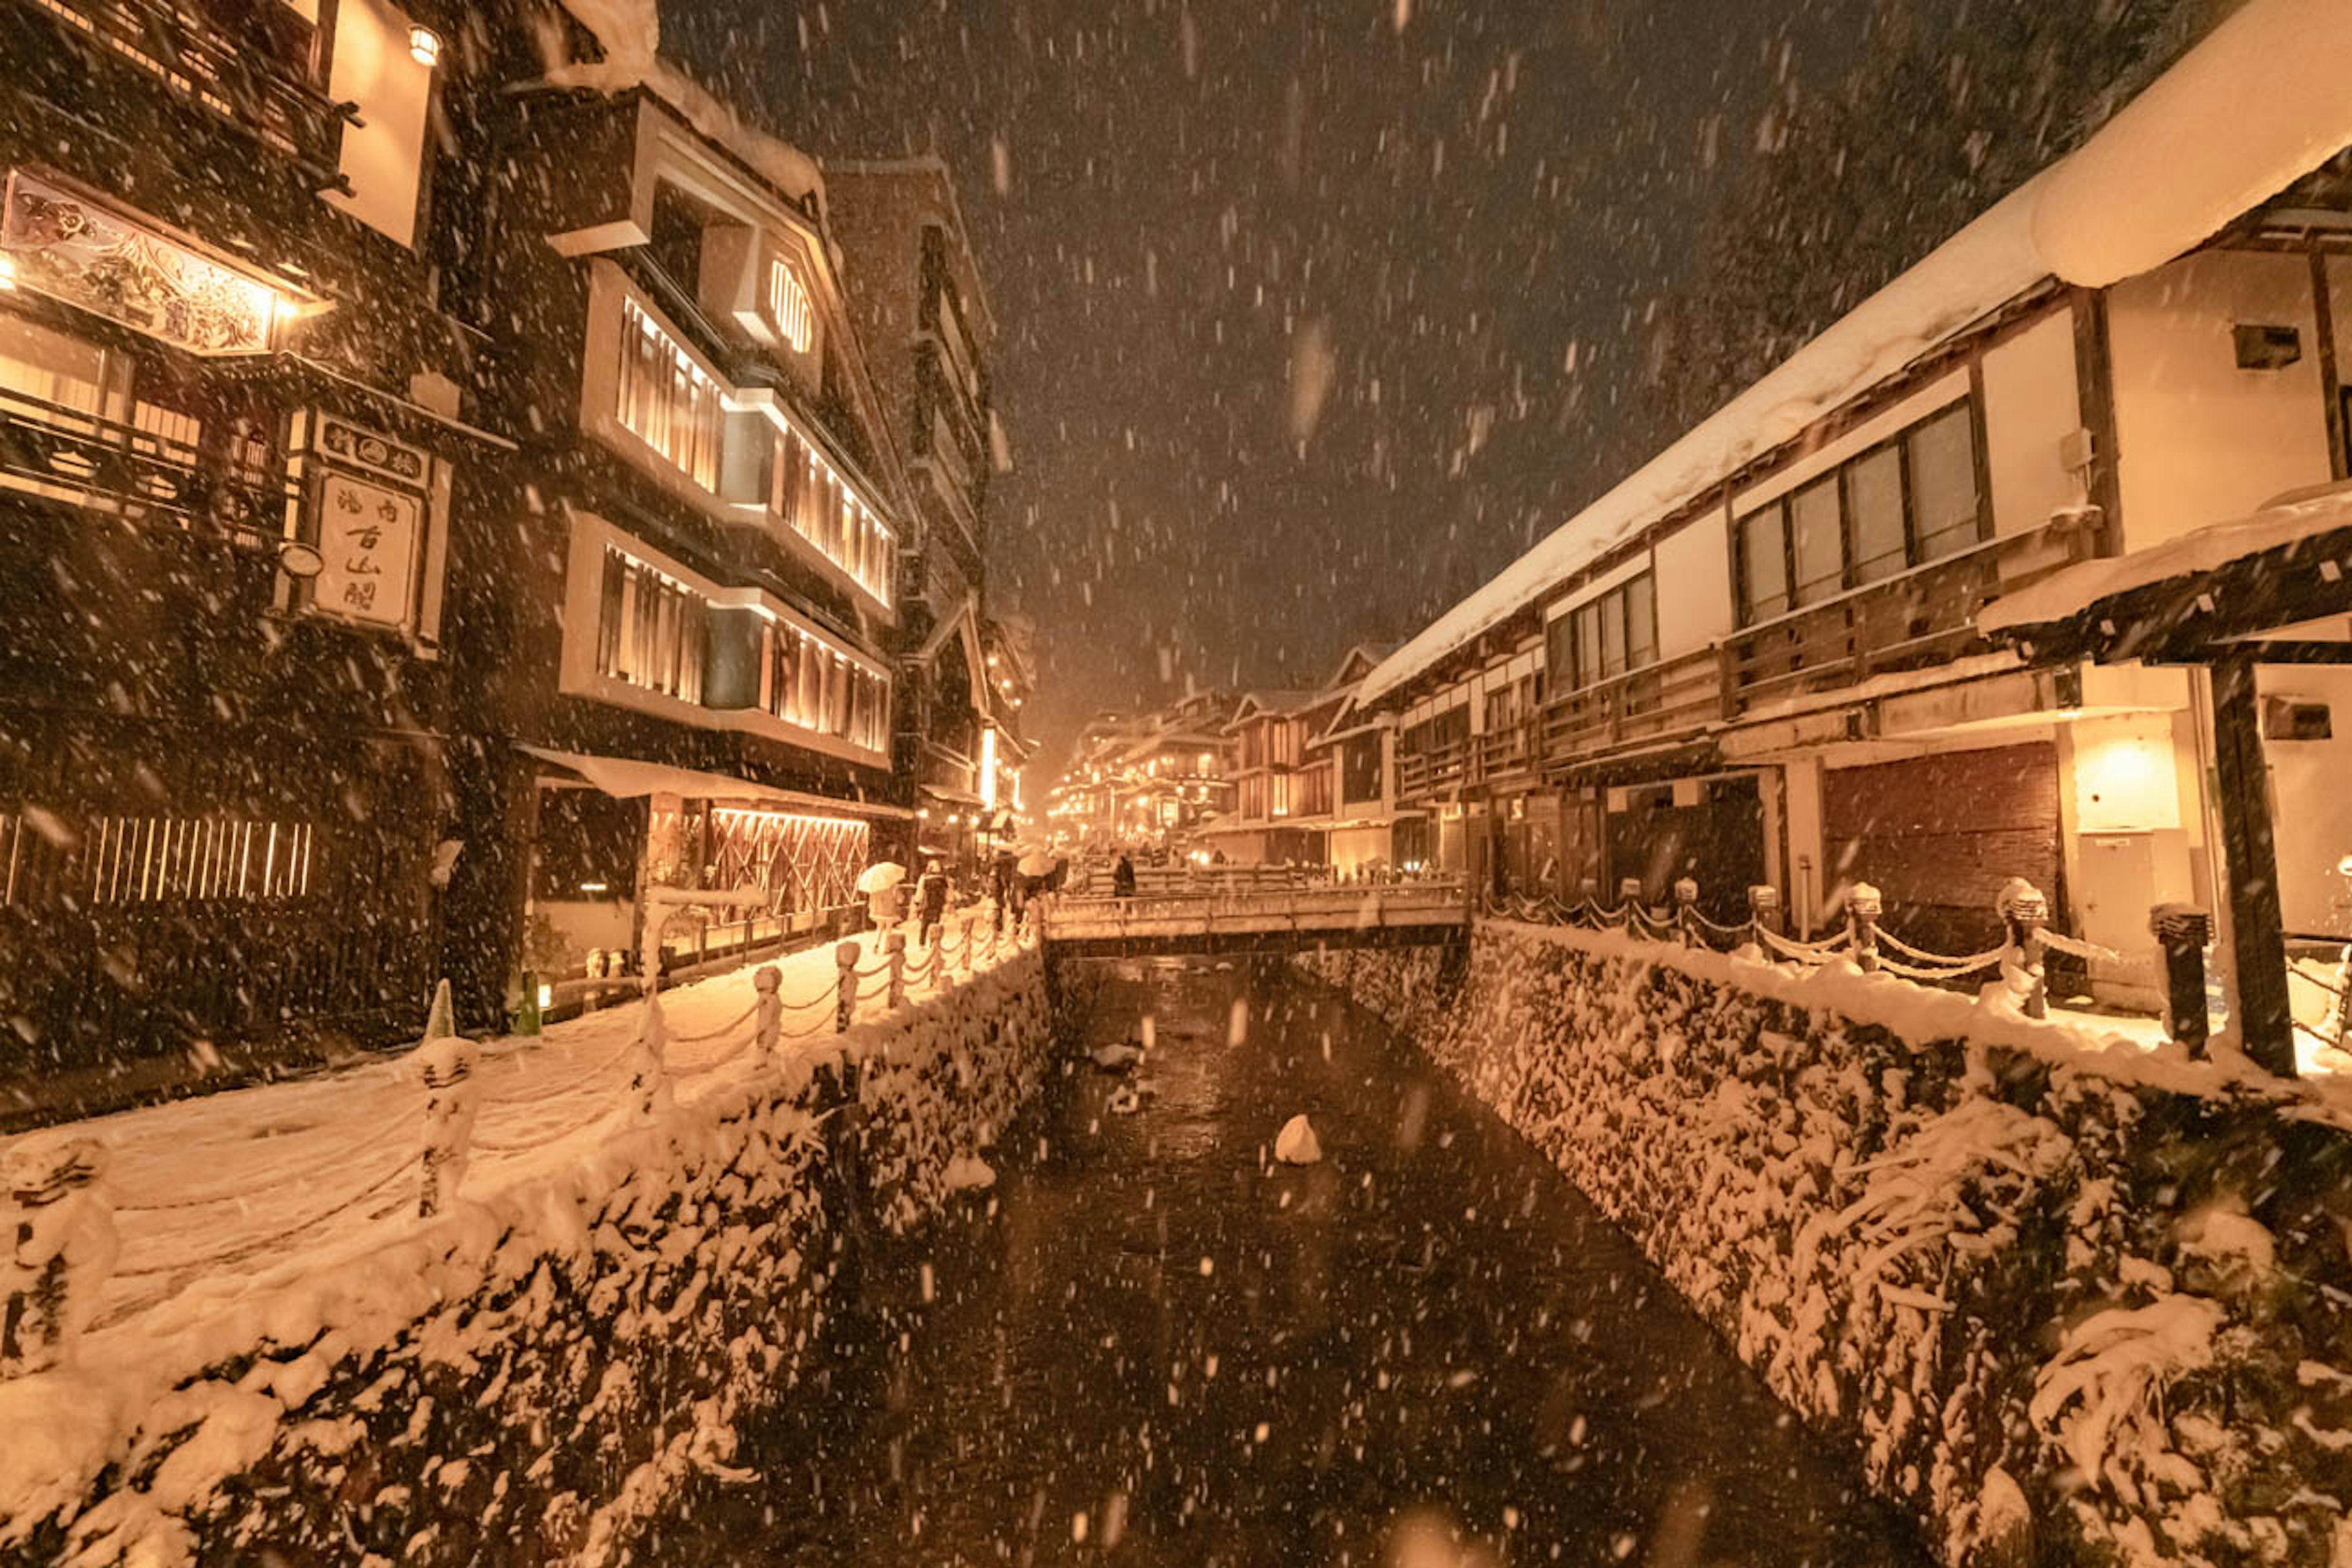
(246, 73)
(1672, 697)
(62, 454)
(1921, 618)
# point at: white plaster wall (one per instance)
(1694, 580)
(383, 154)
(2311, 796)
(2031, 406)
(2199, 440)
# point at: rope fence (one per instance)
(2019, 965)
(63, 1208)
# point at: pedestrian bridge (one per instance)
(1222, 920)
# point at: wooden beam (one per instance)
(2257, 924)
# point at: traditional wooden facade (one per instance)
(2084, 372)
(681, 600)
(230, 431)
(446, 494)
(918, 302)
(1153, 779)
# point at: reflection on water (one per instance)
(1153, 1344)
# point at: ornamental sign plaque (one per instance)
(70, 248)
(368, 536)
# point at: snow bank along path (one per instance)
(2065, 1295)
(546, 1362)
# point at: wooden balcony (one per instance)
(253, 67)
(1921, 618)
(54, 453)
(1673, 696)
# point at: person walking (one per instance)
(887, 906)
(1122, 878)
(931, 902)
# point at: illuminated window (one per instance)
(666, 400)
(788, 306)
(650, 632)
(822, 509)
(807, 683)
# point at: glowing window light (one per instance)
(788, 306)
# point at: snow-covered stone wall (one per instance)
(2070, 1301)
(537, 1376)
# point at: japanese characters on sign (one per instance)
(367, 537)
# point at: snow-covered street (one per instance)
(218, 1195)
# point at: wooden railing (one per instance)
(50, 450)
(1922, 618)
(1676, 696)
(247, 74)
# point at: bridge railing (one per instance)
(1217, 911)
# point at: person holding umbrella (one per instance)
(883, 883)
(1034, 866)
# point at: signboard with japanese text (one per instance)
(368, 537)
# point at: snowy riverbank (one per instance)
(2061, 1292)
(537, 1370)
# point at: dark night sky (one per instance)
(1456, 218)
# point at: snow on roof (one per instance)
(2255, 107)
(2078, 588)
(629, 33)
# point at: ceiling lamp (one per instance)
(425, 47)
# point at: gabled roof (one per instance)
(1358, 662)
(2260, 104)
(1269, 704)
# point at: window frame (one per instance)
(1586, 645)
(1838, 479)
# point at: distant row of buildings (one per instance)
(1941, 600)
(1299, 777)
(456, 473)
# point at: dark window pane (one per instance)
(1819, 544)
(1560, 653)
(1613, 634)
(1873, 501)
(1641, 622)
(1763, 565)
(1944, 482)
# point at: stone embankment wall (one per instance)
(2069, 1299)
(538, 1376)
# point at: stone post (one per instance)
(453, 1098)
(1587, 899)
(894, 953)
(1763, 911)
(649, 1090)
(2182, 930)
(2023, 911)
(844, 986)
(1629, 898)
(59, 1248)
(1863, 907)
(1686, 912)
(766, 1015)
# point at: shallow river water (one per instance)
(1153, 1344)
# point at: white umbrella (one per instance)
(880, 875)
(1036, 863)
